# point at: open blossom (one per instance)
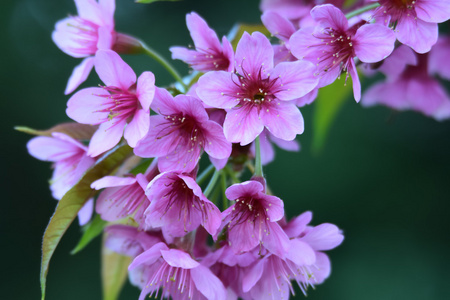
(258, 94)
(178, 206)
(177, 275)
(179, 133)
(333, 45)
(82, 35)
(124, 196)
(121, 107)
(208, 55)
(409, 85)
(416, 20)
(252, 220)
(70, 163)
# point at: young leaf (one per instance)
(91, 231)
(327, 105)
(114, 272)
(72, 201)
(74, 130)
(238, 30)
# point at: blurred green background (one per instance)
(382, 177)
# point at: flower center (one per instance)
(121, 105)
(398, 9)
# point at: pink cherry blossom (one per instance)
(70, 163)
(178, 206)
(208, 55)
(251, 221)
(177, 275)
(81, 36)
(180, 132)
(333, 45)
(257, 95)
(121, 107)
(416, 20)
(124, 196)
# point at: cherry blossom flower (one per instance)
(333, 45)
(178, 206)
(121, 107)
(416, 20)
(180, 132)
(177, 275)
(70, 163)
(251, 221)
(208, 55)
(257, 95)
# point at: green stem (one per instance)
(231, 174)
(225, 201)
(205, 174)
(258, 165)
(361, 10)
(156, 56)
(211, 184)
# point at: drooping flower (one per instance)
(70, 163)
(178, 206)
(121, 107)
(410, 86)
(124, 196)
(416, 20)
(258, 94)
(208, 55)
(333, 45)
(177, 275)
(180, 132)
(81, 36)
(252, 220)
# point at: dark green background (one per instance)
(382, 177)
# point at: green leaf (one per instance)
(151, 1)
(74, 130)
(327, 105)
(72, 201)
(238, 30)
(114, 272)
(91, 231)
(142, 167)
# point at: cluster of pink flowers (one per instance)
(244, 100)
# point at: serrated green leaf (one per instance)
(238, 30)
(91, 231)
(327, 106)
(74, 130)
(72, 201)
(151, 1)
(114, 272)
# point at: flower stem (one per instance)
(361, 10)
(205, 174)
(161, 60)
(258, 165)
(225, 201)
(211, 183)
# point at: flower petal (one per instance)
(242, 125)
(106, 137)
(283, 120)
(417, 34)
(254, 54)
(80, 74)
(208, 284)
(113, 71)
(86, 106)
(330, 16)
(138, 127)
(145, 90)
(433, 11)
(217, 89)
(324, 237)
(373, 42)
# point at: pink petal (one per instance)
(85, 213)
(308, 98)
(106, 38)
(112, 181)
(323, 267)
(192, 107)
(300, 253)
(283, 120)
(355, 80)
(254, 54)
(219, 164)
(296, 226)
(274, 206)
(145, 90)
(295, 79)
(417, 34)
(183, 158)
(324, 237)
(396, 63)
(277, 25)
(292, 146)
(437, 59)
(204, 37)
(85, 106)
(228, 52)
(106, 137)
(393, 94)
(373, 42)
(242, 237)
(108, 7)
(266, 148)
(247, 188)
(276, 240)
(179, 259)
(148, 257)
(89, 10)
(208, 284)
(304, 45)
(216, 144)
(242, 125)
(138, 127)
(433, 11)
(218, 90)
(330, 16)
(51, 149)
(253, 275)
(163, 103)
(80, 74)
(113, 71)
